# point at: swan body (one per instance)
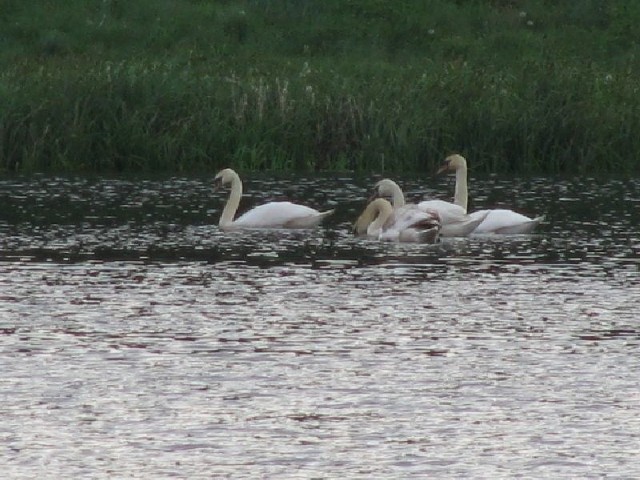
(498, 221)
(449, 212)
(454, 221)
(505, 222)
(409, 224)
(270, 215)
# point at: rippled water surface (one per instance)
(139, 341)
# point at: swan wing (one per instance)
(500, 221)
(410, 216)
(448, 212)
(505, 221)
(411, 224)
(465, 226)
(280, 215)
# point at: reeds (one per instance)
(334, 89)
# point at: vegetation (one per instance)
(367, 85)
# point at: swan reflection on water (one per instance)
(132, 325)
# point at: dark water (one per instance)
(139, 341)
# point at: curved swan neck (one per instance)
(382, 210)
(226, 219)
(461, 196)
(398, 198)
(392, 189)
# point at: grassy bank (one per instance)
(516, 86)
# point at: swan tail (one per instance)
(308, 221)
(326, 213)
(520, 229)
(463, 228)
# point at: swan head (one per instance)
(225, 176)
(453, 163)
(385, 188)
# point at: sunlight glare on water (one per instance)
(140, 341)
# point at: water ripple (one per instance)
(139, 341)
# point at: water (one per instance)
(139, 341)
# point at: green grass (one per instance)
(178, 85)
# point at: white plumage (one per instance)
(270, 215)
(454, 221)
(498, 221)
(407, 224)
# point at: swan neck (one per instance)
(383, 211)
(231, 207)
(461, 196)
(398, 197)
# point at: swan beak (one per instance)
(443, 168)
(373, 196)
(217, 184)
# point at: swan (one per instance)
(379, 220)
(269, 215)
(499, 220)
(454, 220)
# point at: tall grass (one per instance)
(299, 85)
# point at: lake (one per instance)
(140, 341)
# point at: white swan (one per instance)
(269, 215)
(500, 221)
(379, 220)
(454, 220)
